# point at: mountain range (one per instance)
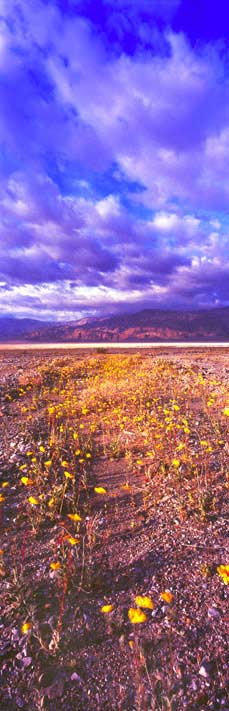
(147, 325)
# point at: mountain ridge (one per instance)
(144, 325)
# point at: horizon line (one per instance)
(105, 344)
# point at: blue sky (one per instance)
(114, 155)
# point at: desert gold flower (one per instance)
(51, 410)
(166, 596)
(144, 601)
(48, 463)
(32, 500)
(176, 463)
(26, 627)
(41, 448)
(26, 481)
(5, 484)
(100, 490)
(136, 616)
(106, 608)
(223, 571)
(51, 502)
(68, 475)
(55, 566)
(2, 498)
(226, 411)
(75, 517)
(73, 541)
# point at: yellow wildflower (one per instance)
(176, 463)
(55, 566)
(51, 410)
(223, 571)
(5, 484)
(144, 601)
(100, 490)
(75, 517)
(26, 481)
(26, 627)
(226, 411)
(166, 596)
(2, 498)
(106, 608)
(73, 541)
(136, 616)
(68, 475)
(32, 500)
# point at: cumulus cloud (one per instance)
(113, 165)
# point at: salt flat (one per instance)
(116, 345)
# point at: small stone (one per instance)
(213, 612)
(203, 672)
(76, 677)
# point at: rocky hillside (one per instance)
(146, 325)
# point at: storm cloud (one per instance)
(114, 148)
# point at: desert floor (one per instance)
(114, 479)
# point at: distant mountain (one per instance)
(15, 329)
(147, 325)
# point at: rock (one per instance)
(76, 677)
(213, 612)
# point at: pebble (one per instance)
(213, 612)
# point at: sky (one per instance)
(114, 156)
